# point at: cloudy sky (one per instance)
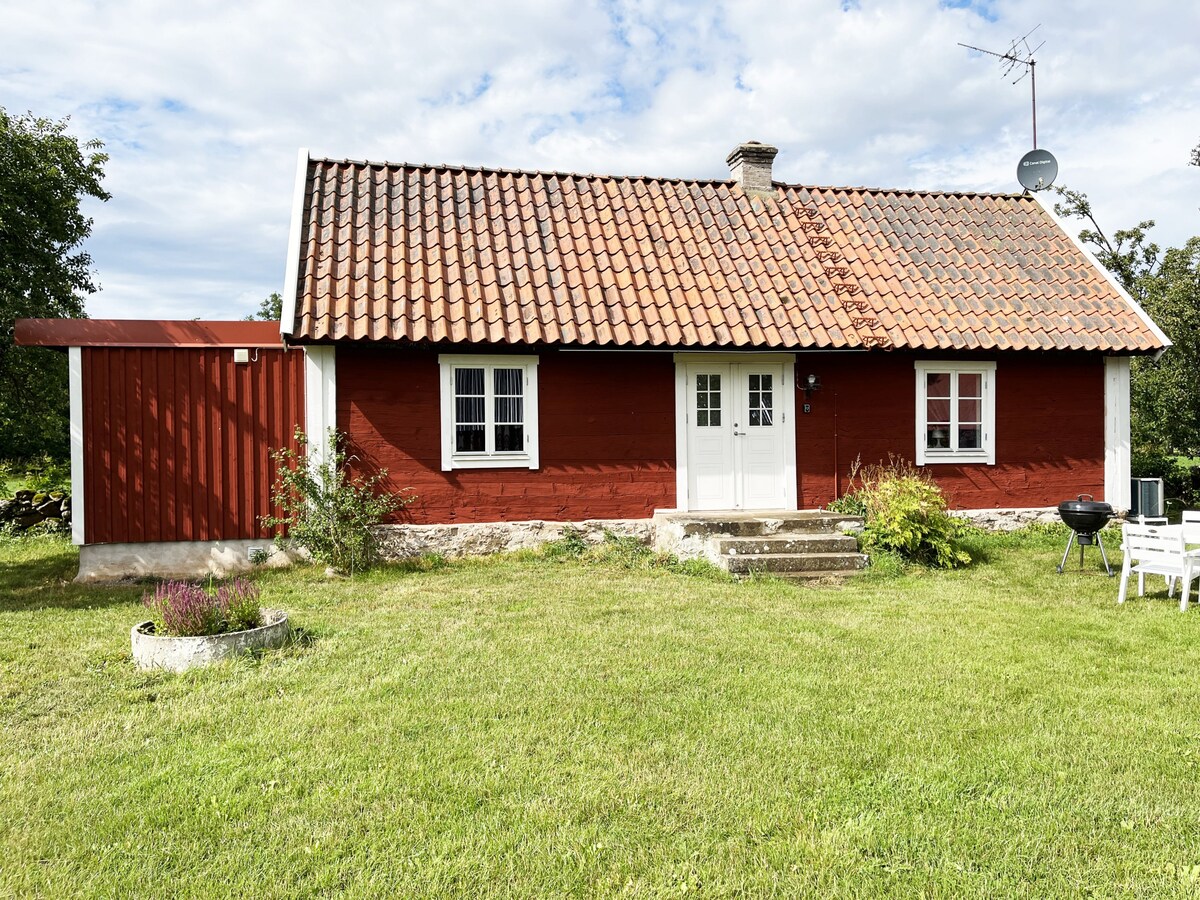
(202, 106)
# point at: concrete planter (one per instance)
(178, 654)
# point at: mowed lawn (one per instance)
(534, 727)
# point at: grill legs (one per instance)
(1067, 552)
(1071, 543)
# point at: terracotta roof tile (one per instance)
(402, 252)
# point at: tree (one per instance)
(45, 173)
(1164, 392)
(269, 310)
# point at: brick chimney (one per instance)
(750, 166)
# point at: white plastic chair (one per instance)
(1191, 526)
(1157, 550)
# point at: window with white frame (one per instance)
(956, 412)
(489, 412)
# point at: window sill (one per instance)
(957, 459)
(515, 461)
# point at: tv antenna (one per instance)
(1019, 53)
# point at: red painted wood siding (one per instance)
(1049, 427)
(176, 440)
(608, 434)
(607, 428)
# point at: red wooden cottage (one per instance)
(519, 346)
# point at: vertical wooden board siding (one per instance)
(1049, 427)
(177, 440)
(607, 437)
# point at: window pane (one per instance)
(468, 381)
(509, 410)
(509, 438)
(468, 410)
(970, 385)
(468, 438)
(968, 412)
(937, 437)
(708, 400)
(508, 382)
(937, 411)
(937, 384)
(969, 438)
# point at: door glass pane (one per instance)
(760, 400)
(708, 401)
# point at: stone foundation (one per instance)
(200, 559)
(1008, 519)
(177, 559)
(478, 539)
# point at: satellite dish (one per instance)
(1037, 170)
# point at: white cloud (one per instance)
(202, 107)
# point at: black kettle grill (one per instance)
(1085, 518)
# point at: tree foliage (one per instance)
(45, 174)
(269, 310)
(1165, 392)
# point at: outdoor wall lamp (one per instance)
(811, 383)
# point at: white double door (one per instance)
(740, 433)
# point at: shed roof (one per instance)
(406, 252)
(144, 333)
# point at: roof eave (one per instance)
(1125, 295)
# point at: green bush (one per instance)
(906, 514)
(326, 510)
(849, 504)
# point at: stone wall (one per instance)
(1008, 519)
(30, 508)
(476, 539)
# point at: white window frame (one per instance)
(513, 459)
(986, 454)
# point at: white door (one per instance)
(738, 435)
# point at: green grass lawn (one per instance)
(535, 727)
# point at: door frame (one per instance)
(788, 409)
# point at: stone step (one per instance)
(814, 542)
(811, 564)
(763, 523)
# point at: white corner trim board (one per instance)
(1117, 488)
(291, 277)
(75, 382)
(320, 399)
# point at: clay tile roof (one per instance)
(443, 253)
